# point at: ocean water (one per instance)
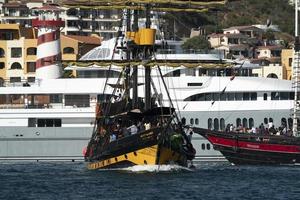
(207, 181)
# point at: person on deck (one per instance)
(132, 129)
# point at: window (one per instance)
(271, 119)
(31, 51)
(191, 121)
(283, 122)
(238, 122)
(15, 79)
(194, 84)
(190, 72)
(230, 96)
(48, 122)
(216, 97)
(16, 52)
(16, 65)
(290, 62)
(77, 100)
(208, 146)
(253, 96)
(183, 121)
(209, 123)
(222, 124)
(216, 124)
(203, 146)
(2, 53)
(31, 79)
(284, 95)
(55, 98)
(290, 123)
(2, 65)
(245, 123)
(251, 123)
(196, 121)
(238, 96)
(265, 96)
(68, 50)
(265, 120)
(274, 96)
(246, 96)
(31, 66)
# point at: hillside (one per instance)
(236, 13)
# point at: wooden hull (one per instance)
(250, 149)
(139, 149)
(145, 156)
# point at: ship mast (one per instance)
(296, 74)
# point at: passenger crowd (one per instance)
(268, 129)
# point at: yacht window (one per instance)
(208, 97)
(203, 146)
(238, 122)
(238, 96)
(274, 96)
(245, 123)
(265, 96)
(230, 96)
(284, 95)
(292, 95)
(209, 123)
(222, 124)
(271, 119)
(208, 146)
(223, 97)
(49, 122)
(202, 72)
(265, 120)
(251, 122)
(183, 121)
(31, 122)
(194, 84)
(290, 123)
(212, 72)
(77, 100)
(190, 72)
(216, 97)
(175, 73)
(191, 121)
(283, 122)
(253, 96)
(246, 96)
(55, 98)
(216, 124)
(196, 121)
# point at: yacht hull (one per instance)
(250, 149)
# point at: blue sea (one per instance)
(40, 180)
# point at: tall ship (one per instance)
(53, 119)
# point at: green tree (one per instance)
(196, 43)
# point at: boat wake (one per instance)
(156, 168)
(151, 169)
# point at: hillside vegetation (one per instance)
(236, 13)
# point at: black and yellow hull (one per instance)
(152, 155)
